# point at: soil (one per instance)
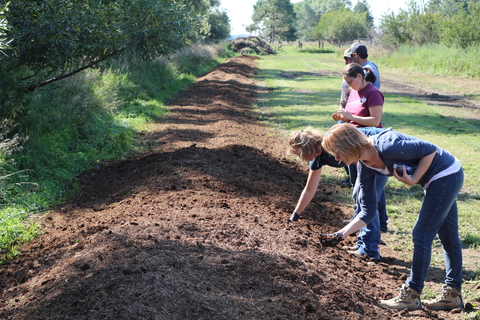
(197, 227)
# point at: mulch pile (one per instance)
(244, 45)
(197, 228)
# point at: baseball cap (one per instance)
(358, 48)
(347, 53)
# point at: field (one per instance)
(197, 228)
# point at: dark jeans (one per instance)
(368, 239)
(438, 215)
(381, 199)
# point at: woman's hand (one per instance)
(422, 167)
(336, 117)
(405, 178)
(344, 115)
(371, 121)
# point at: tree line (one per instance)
(311, 20)
(451, 22)
(455, 23)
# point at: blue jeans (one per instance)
(382, 209)
(438, 215)
(381, 200)
(368, 238)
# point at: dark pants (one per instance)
(381, 200)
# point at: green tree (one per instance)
(273, 20)
(363, 7)
(447, 8)
(306, 19)
(394, 29)
(3, 27)
(341, 26)
(463, 29)
(219, 24)
(309, 12)
(425, 28)
(414, 25)
(202, 9)
(54, 39)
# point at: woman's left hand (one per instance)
(344, 115)
(405, 178)
(338, 117)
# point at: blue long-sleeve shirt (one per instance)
(395, 147)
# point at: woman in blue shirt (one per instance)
(441, 176)
(307, 145)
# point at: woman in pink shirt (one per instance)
(364, 107)
(364, 110)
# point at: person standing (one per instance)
(364, 109)
(441, 176)
(347, 58)
(359, 54)
(345, 89)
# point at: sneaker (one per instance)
(407, 299)
(350, 248)
(357, 253)
(449, 298)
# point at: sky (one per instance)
(240, 12)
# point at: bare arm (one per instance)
(371, 121)
(314, 177)
(422, 167)
(354, 225)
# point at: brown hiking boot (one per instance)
(407, 299)
(449, 298)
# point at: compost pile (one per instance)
(197, 228)
(244, 45)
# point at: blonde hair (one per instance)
(346, 139)
(304, 143)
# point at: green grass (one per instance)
(15, 229)
(434, 59)
(303, 96)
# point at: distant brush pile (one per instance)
(250, 45)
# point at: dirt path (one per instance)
(436, 91)
(196, 228)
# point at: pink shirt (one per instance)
(359, 102)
